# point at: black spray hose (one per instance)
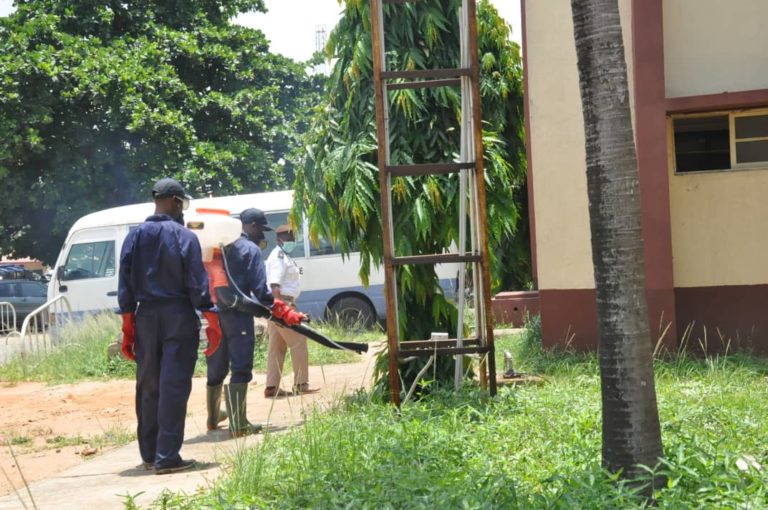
(238, 300)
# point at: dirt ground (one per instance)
(47, 429)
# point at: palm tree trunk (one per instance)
(631, 434)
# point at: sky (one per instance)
(292, 25)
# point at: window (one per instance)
(90, 260)
(7, 290)
(720, 141)
(29, 289)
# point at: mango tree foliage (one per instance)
(338, 187)
(100, 98)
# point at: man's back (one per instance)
(161, 261)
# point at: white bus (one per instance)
(87, 267)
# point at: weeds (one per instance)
(529, 447)
(82, 356)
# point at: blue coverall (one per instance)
(247, 270)
(163, 280)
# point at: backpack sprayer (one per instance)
(215, 229)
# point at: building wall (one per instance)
(705, 248)
(714, 46)
(563, 247)
(718, 228)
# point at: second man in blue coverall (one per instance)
(247, 270)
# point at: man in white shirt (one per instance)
(283, 279)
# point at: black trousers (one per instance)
(167, 339)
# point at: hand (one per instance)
(287, 314)
(129, 336)
(213, 332)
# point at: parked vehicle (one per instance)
(87, 266)
(24, 295)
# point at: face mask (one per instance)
(288, 246)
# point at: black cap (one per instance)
(166, 188)
(253, 215)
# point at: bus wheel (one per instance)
(352, 312)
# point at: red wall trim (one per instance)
(651, 143)
(528, 154)
(723, 101)
(714, 318)
(717, 319)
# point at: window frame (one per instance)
(732, 140)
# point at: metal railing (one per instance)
(7, 318)
(39, 331)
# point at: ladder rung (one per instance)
(429, 169)
(425, 73)
(438, 258)
(431, 344)
(480, 349)
(426, 84)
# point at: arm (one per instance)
(258, 278)
(126, 299)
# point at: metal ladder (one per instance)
(472, 204)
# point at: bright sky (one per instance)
(292, 25)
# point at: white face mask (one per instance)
(288, 246)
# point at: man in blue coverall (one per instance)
(248, 272)
(162, 282)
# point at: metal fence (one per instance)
(7, 318)
(40, 329)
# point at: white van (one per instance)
(87, 266)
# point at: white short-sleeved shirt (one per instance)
(283, 271)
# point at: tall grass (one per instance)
(82, 355)
(530, 447)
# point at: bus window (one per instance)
(90, 260)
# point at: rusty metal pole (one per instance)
(481, 200)
(382, 129)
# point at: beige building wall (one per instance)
(714, 46)
(563, 246)
(718, 223)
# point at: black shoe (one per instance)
(181, 466)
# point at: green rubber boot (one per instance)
(213, 402)
(236, 408)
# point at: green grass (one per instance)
(531, 447)
(83, 354)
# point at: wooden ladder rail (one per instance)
(467, 77)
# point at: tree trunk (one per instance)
(631, 434)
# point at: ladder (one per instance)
(472, 254)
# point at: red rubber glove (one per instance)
(129, 336)
(287, 314)
(213, 332)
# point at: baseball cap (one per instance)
(253, 215)
(167, 188)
